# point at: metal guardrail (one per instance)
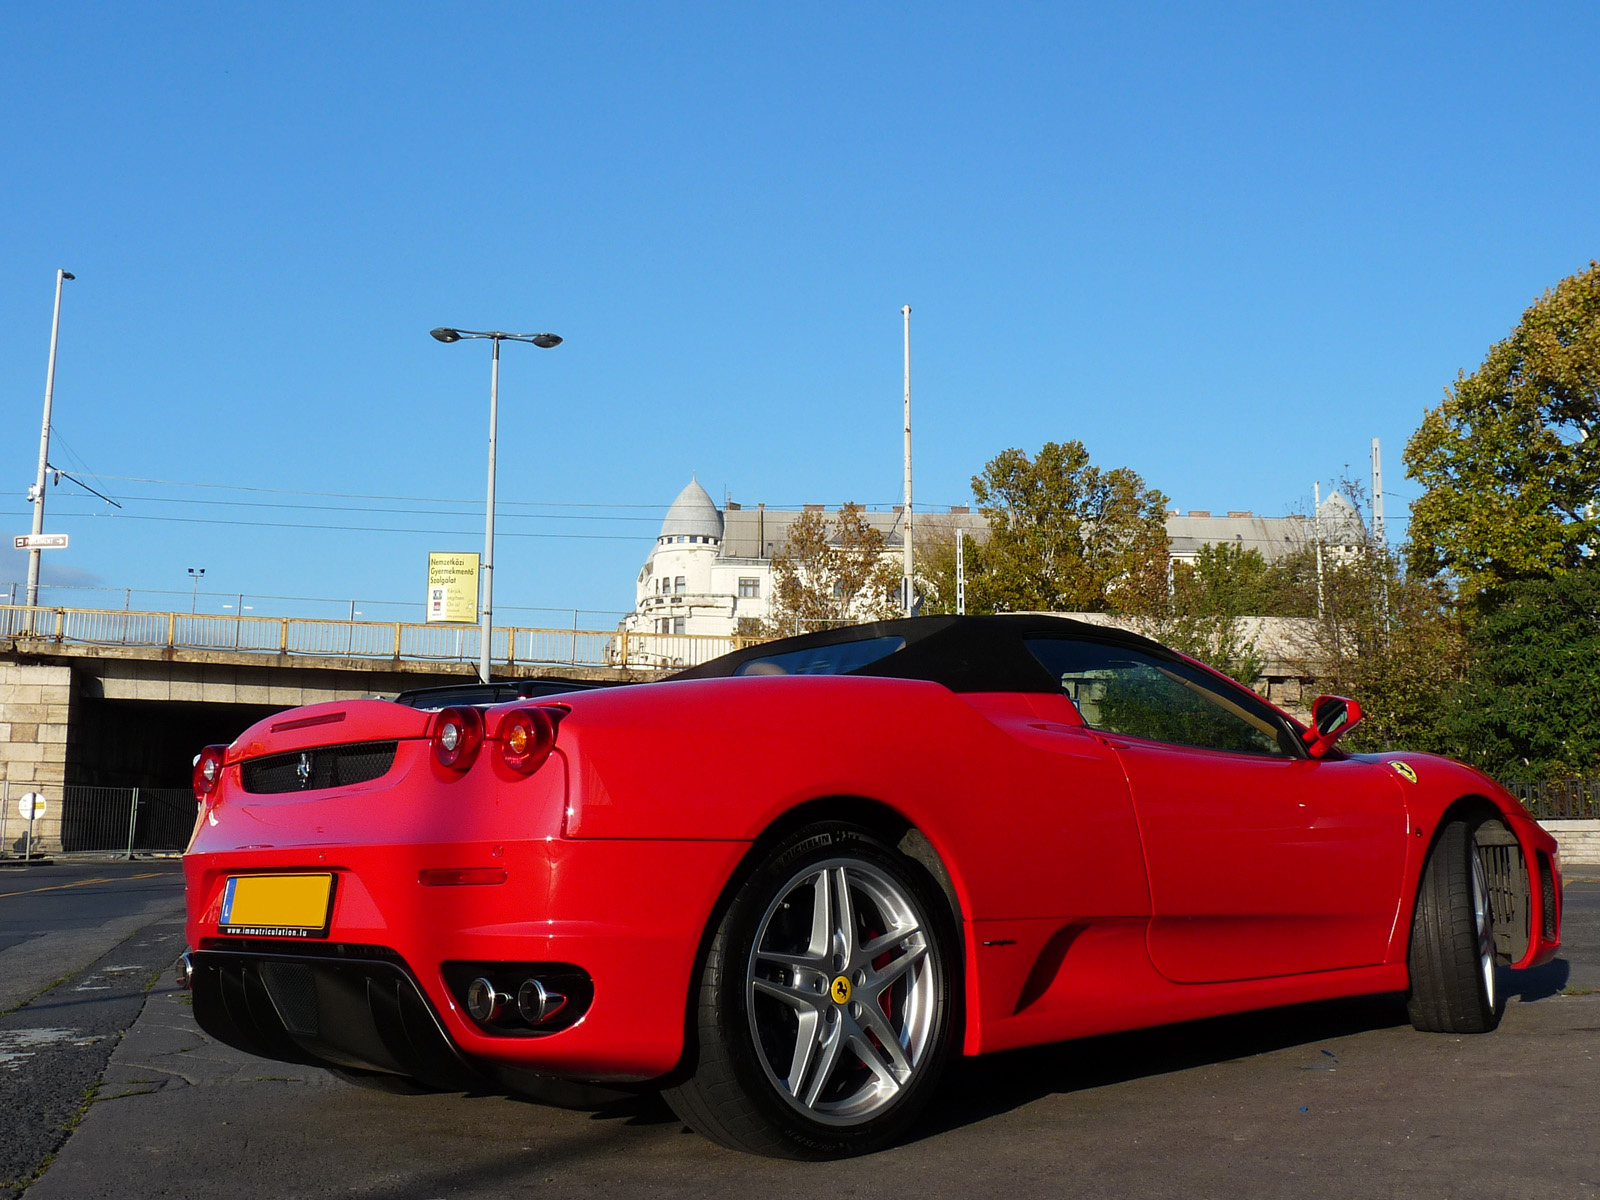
(1558, 799)
(511, 645)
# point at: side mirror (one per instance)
(1331, 718)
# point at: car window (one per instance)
(1122, 690)
(838, 659)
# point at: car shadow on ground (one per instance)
(1539, 983)
(980, 1088)
(977, 1089)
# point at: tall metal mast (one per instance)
(1316, 528)
(44, 445)
(1377, 495)
(907, 583)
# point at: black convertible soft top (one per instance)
(965, 654)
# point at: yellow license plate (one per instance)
(277, 905)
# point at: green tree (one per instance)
(1224, 578)
(1401, 656)
(1204, 613)
(1066, 536)
(1510, 461)
(1529, 706)
(1389, 639)
(832, 573)
(1289, 587)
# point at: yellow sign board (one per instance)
(453, 588)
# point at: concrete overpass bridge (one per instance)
(94, 699)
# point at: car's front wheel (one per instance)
(1454, 978)
(825, 1005)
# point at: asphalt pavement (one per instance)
(80, 945)
(1332, 1100)
(58, 917)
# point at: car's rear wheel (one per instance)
(1454, 977)
(825, 1006)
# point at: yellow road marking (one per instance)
(57, 887)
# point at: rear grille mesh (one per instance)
(318, 767)
(293, 989)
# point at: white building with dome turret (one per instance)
(710, 571)
(688, 584)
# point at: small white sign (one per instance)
(31, 805)
(40, 541)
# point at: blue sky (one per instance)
(1224, 245)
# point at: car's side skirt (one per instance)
(1034, 982)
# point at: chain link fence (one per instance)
(98, 820)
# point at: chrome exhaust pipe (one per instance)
(536, 1003)
(484, 1003)
(185, 971)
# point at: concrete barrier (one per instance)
(1579, 841)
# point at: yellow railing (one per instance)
(301, 636)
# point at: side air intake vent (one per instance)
(1547, 894)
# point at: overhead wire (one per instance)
(240, 487)
(258, 504)
(499, 502)
(329, 528)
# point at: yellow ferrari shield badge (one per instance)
(841, 990)
(1404, 770)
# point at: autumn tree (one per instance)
(1510, 461)
(1066, 536)
(832, 573)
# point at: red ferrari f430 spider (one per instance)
(786, 887)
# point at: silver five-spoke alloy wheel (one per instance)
(842, 991)
(1483, 924)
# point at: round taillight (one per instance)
(527, 735)
(457, 734)
(207, 771)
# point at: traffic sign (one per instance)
(31, 805)
(41, 541)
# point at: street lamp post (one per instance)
(545, 341)
(44, 445)
(196, 574)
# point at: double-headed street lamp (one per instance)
(545, 341)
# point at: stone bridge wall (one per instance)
(35, 717)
